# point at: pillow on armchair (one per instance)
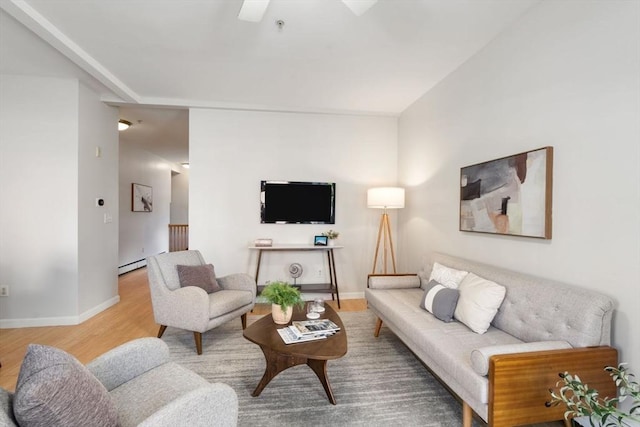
(202, 276)
(54, 388)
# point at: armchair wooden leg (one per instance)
(378, 326)
(198, 338)
(244, 321)
(161, 331)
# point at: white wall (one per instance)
(566, 75)
(143, 233)
(230, 152)
(180, 196)
(97, 178)
(42, 222)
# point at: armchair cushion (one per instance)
(128, 361)
(54, 388)
(202, 276)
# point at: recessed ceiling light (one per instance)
(185, 165)
(123, 124)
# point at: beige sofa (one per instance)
(541, 328)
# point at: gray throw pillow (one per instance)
(55, 389)
(202, 276)
(440, 300)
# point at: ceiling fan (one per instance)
(253, 10)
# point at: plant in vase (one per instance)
(283, 297)
(583, 401)
(332, 235)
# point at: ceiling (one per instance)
(196, 53)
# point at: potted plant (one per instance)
(283, 297)
(583, 401)
(331, 235)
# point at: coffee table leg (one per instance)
(320, 368)
(276, 363)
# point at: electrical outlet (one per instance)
(4, 291)
(319, 273)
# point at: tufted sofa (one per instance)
(541, 328)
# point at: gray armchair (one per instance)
(150, 390)
(135, 384)
(190, 307)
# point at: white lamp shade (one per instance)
(385, 198)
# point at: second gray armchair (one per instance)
(191, 307)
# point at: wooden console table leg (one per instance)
(333, 276)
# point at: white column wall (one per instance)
(47, 218)
(566, 75)
(97, 178)
(232, 151)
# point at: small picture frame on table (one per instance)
(320, 241)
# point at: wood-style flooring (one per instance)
(131, 318)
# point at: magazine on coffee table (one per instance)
(304, 328)
(290, 337)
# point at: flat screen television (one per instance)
(295, 202)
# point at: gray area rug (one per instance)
(379, 382)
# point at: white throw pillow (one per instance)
(479, 302)
(446, 276)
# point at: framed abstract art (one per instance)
(510, 196)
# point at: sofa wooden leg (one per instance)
(467, 415)
(198, 337)
(378, 326)
(567, 423)
(244, 321)
(161, 331)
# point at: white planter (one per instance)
(281, 317)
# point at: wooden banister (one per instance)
(178, 237)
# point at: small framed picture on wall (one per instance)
(141, 198)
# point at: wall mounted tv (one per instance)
(294, 202)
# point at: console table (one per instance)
(331, 287)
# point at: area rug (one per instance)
(379, 382)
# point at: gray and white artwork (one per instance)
(511, 195)
(141, 198)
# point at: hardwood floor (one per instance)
(131, 318)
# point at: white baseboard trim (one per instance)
(99, 308)
(132, 266)
(58, 321)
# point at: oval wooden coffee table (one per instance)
(280, 356)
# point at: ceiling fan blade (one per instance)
(253, 10)
(359, 7)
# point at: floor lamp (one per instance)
(385, 198)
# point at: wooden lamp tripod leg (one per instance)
(375, 257)
(393, 256)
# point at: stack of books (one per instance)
(308, 330)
